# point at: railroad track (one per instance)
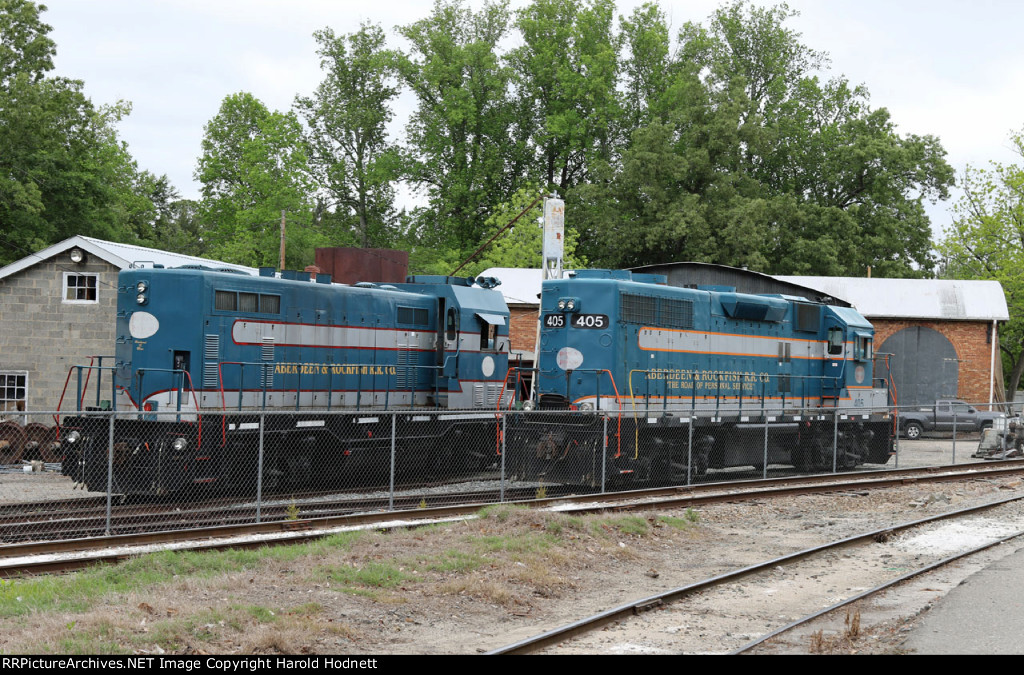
(88, 516)
(45, 556)
(739, 611)
(46, 521)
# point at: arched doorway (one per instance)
(924, 365)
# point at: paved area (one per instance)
(983, 615)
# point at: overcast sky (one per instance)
(949, 68)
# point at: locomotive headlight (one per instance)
(569, 304)
(528, 405)
(74, 437)
(141, 287)
(141, 298)
(179, 444)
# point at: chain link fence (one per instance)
(100, 473)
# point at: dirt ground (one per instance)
(472, 586)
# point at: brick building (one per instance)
(58, 309)
(941, 336)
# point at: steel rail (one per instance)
(562, 633)
(18, 555)
(872, 591)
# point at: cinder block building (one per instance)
(58, 310)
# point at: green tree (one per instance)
(63, 170)
(349, 153)
(750, 160)
(567, 70)
(253, 167)
(464, 144)
(26, 49)
(986, 241)
(645, 68)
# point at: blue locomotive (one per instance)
(202, 355)
(674, 381)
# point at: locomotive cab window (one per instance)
(835, 340)
(862, 348)
(489, 331)
(488, 337)
(451, 325)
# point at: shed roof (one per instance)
(946, 299)
(122, 256)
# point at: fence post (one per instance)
(954, 438)
(391, 491)
(764, 469)
(259, 471)
(689, 450)
(501, 483)
(604, 453)
(835, 439)
(897, 439)
(110, 468)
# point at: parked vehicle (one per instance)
(942, 416)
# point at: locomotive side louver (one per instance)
(211, 355)
(268, 355)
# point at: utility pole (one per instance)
(283, 212)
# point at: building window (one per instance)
(80, 288)
(13, 389)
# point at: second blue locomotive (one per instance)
(679, 380)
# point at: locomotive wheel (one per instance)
(12, 442)
(44, 439)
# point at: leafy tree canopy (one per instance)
(63, 169)
(254, 167)
(986, 241)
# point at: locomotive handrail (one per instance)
(80, 399)
(140, 373)
(191, 389)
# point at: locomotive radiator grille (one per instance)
(211, 355)
(268, 355)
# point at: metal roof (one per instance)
(519, 285)
(122, 256)
(946, 299)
